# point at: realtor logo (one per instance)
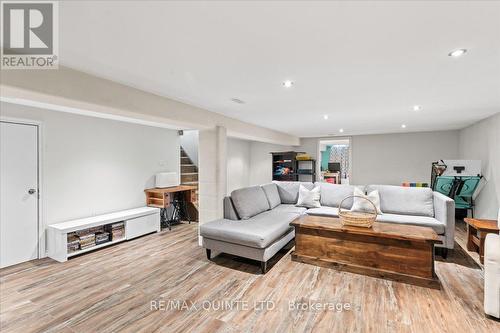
(29, 34)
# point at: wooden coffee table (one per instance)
(477, 229)
(402, 253)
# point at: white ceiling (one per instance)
(365, 64)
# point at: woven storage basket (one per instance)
(357, 219)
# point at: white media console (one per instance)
(138, 222)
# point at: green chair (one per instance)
(445, 185)
(464, 192)
(460, 188)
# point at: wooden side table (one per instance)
(164, 198)
(477, 229)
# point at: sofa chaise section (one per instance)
(256, 223)
(258, 238)
(258, 232)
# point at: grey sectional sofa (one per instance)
(256, 223)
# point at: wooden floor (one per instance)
(112, 289)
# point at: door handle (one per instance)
(31, 191)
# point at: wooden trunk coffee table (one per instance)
(402, 253)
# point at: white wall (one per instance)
(238, 164)
(394, 158)
(481, 141)
(249, 162)
(189, 141)
(94, 166)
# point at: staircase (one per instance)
(189, 173)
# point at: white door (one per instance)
(18, 193)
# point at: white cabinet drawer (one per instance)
(142, 225)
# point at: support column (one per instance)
(212, 173)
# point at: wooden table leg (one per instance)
(482, 237)
(471, 231)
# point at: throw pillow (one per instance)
(308, 198)
(361, 205)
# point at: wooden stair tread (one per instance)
(189, 175)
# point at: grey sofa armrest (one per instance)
(229, 211)
(444, 211)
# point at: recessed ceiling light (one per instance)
(237, 100)
(457, 53)
(417, 108)
(403, 126)
(341, 130)
(325, 117)
(287, 83)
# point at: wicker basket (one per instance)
(357, 219)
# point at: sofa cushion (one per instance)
(258, 231)
(333, 194)
(405, 200)
(361, 204)
(324, 211)
(271, 191)
(289, 191)
(229, 211)
(249, 201)
(422, 221)
(288, 208)
(308, 198)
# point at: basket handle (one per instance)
(359, 196)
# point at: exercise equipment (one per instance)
(457, 179)
(459, 188)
